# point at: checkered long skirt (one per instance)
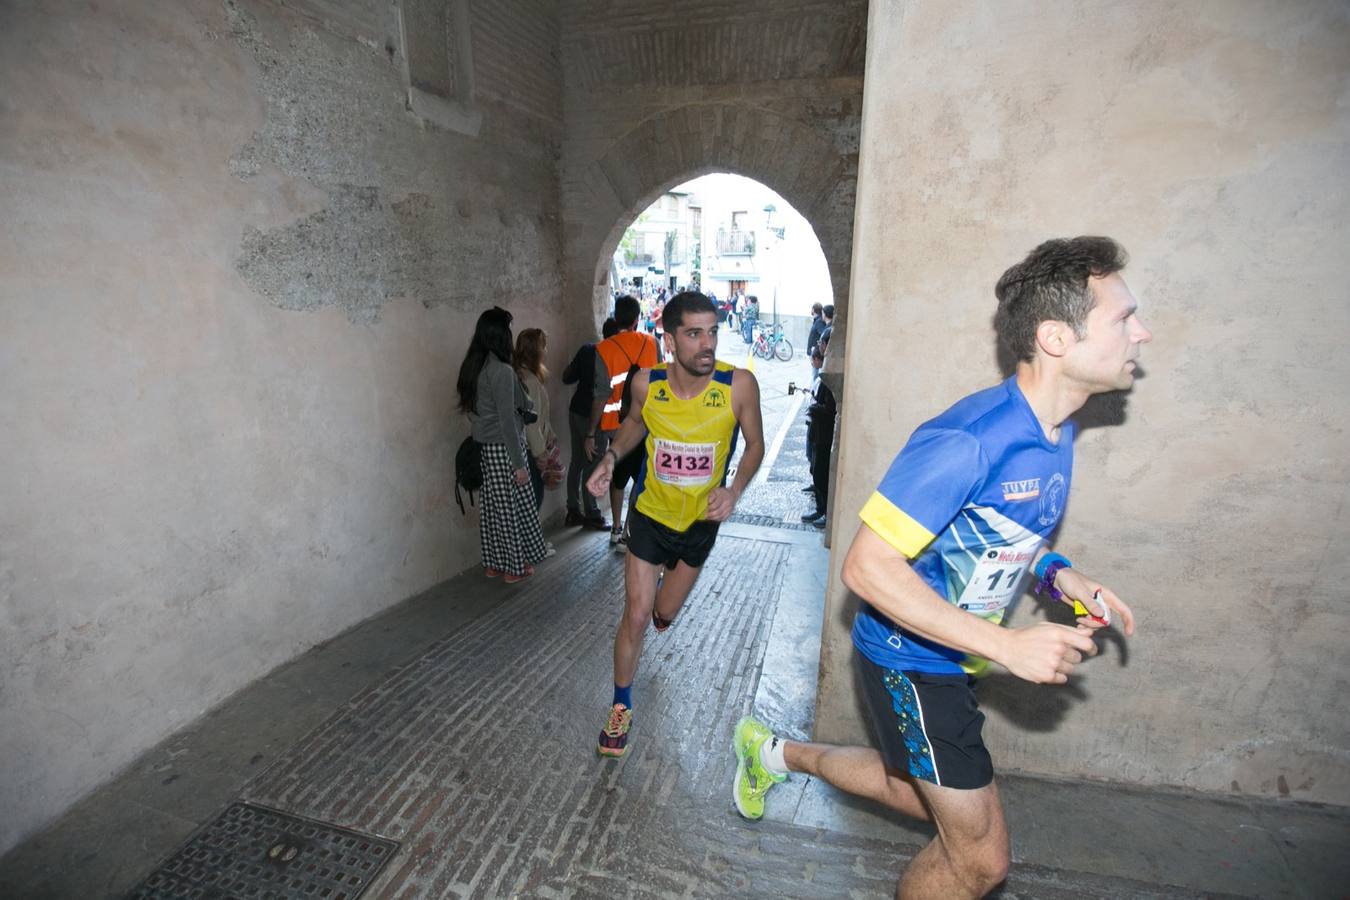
(508, 524)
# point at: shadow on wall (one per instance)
(1100, 411)
(1030, 707)
(1039, 708)
(1042, 707)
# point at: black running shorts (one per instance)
(928, 725)
(652, 542)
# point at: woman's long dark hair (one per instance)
(491, 336)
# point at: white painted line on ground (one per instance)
(772, 455)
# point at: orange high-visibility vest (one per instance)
(619, 354)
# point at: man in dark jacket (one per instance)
(820, 438)
(582, 508)
(826, 322)
(817, 326)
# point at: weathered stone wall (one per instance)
(239, 277)
(656, 93)
(1212, 140)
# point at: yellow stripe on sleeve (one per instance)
(894, 526)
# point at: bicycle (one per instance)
(768, 346)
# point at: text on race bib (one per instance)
(683, 464)
(998, 574)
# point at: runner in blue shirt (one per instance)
(964, 512)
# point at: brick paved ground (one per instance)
(479, 755)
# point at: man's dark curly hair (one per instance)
(679, 306)
(1052, 284)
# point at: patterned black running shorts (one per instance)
(929, 726)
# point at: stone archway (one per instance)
(803, 164)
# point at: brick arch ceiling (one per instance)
(793, 159)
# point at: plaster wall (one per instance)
(657, 93)
(238, 280)
(1212, 140)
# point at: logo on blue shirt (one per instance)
(1026, 489)
(1052, 499)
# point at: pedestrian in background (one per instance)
(582, 508)
(618, 358)
(749, 317)
(826, 332)
(817, 326)
(820, 437)
(510, 539)
(540, 438)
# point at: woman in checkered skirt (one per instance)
(495, 401)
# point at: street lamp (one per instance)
(769, 210)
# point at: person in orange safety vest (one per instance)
(616, 357)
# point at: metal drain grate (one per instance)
(769, 522)
(250, 851)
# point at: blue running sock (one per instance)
(624, 695)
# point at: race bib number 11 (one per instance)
(683, 464)
(998, 575)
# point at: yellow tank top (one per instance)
(689, 444)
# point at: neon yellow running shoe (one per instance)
(752, 779)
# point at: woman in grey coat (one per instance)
(492, 396)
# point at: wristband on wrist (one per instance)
(1044, 563)
(609, 451)
(1046, 569)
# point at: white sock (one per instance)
(771, 756)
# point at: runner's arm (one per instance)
(882, 575)
(1074, 585)
(631, 432)
(745, 403)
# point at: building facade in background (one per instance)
(725, 234)
(660, 249)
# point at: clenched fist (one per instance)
(1046, 653)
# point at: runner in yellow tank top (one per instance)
(690, 412)
(689, 444)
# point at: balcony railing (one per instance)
(735, 243)
(639, 259)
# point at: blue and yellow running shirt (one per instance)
(970, 499)
(689, 444)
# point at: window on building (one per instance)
(438, 62)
